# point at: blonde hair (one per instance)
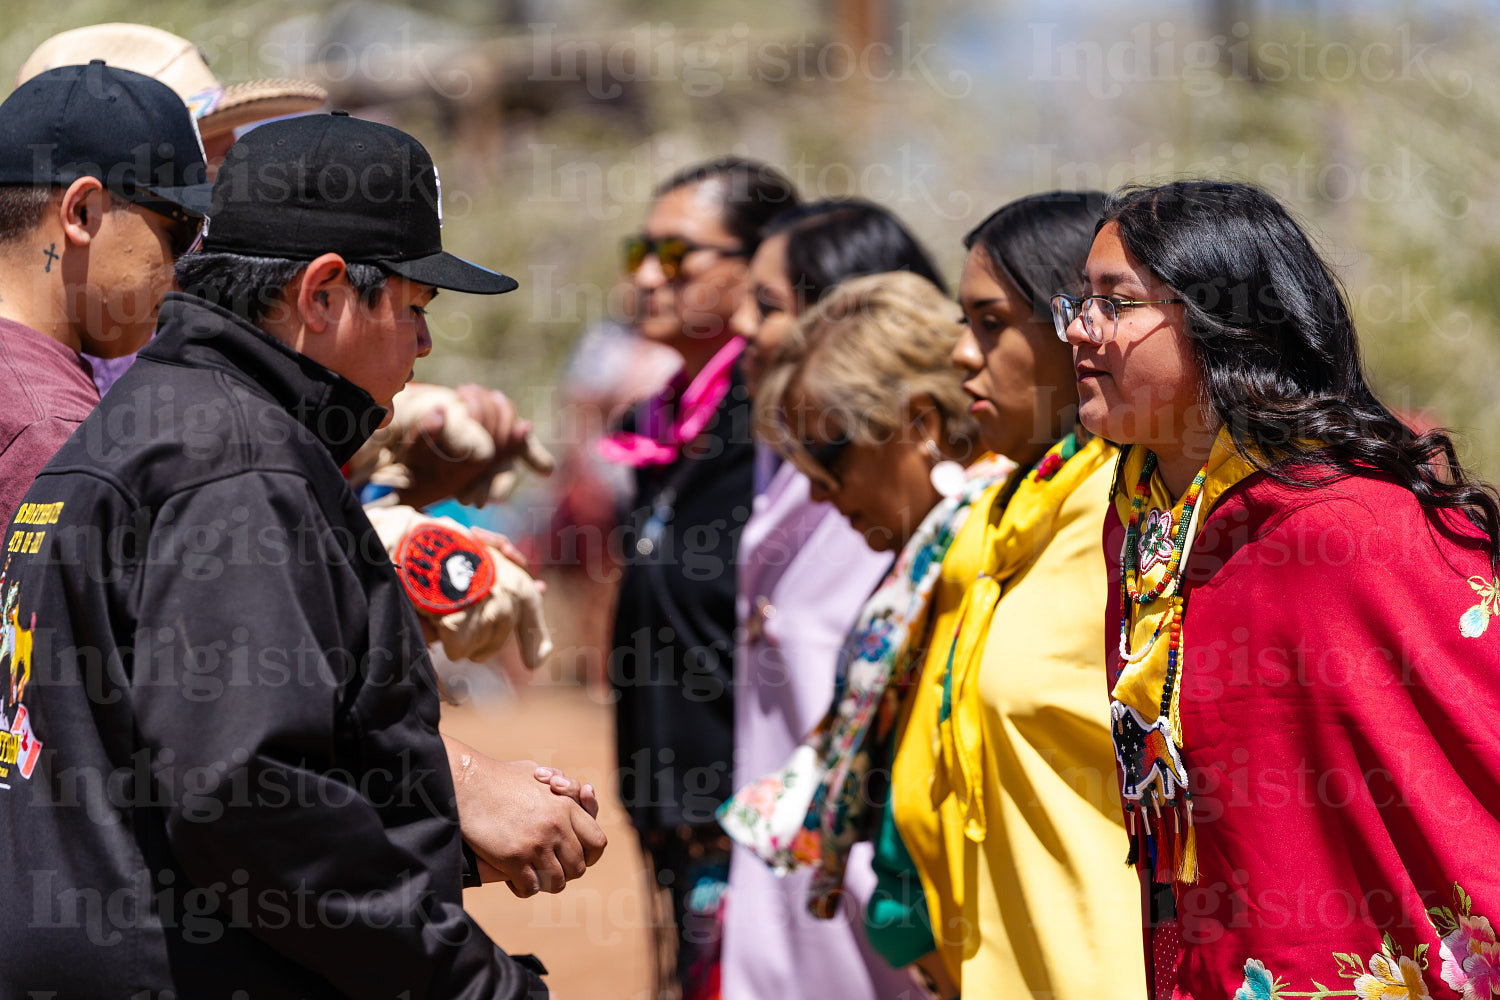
(860, 355)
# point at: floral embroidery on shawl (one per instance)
(1048, 467)
(1470, 953)
(1467, 947)
(1473, 622)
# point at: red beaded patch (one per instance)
(444, 569)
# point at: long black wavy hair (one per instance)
(836, 239)
(1276, 348)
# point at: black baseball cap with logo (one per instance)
(301, 187)
(131, 132)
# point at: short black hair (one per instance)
(247, 286)
(752, 192)
(836, 239)
(22, 207)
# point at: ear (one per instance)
(322, 292)
(81, 210)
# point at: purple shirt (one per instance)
(804, 574)
(48, 392)
(107, 371)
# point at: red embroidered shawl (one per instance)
(1341, 726)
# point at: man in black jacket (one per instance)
(223, 775)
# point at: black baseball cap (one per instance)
(131, 132)
(331, 183)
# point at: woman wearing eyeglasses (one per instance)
(1304, 668)
(1002, 783)
(672, 661)
(804, 574)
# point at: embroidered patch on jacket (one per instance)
(19, 747)
(1473, 622)
(444, 569)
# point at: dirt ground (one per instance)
(594, 936)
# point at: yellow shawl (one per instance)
(1034, 907)
(1016, 532)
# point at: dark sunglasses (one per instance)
(670, 251)
(186, 230)
(824, 458)
(828, 453)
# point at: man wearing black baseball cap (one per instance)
(102, 185)
(236, 742)
(365, 191)
(309, 206)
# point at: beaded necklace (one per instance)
(1130, 592)
(1171, 857)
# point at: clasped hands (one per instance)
(532, 827)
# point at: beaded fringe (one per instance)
(1161, 846)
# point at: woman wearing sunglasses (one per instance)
(672, 661)
(1304, 670)
(1002, 780)
(863, 400)
(804, 574)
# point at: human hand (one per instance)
(561, 784)
(508, 549)
(533, 832)
(438, 468)
(494, 411)
(502, 600)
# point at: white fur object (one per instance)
(382, 459)
(479, 631)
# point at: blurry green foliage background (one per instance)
(551, 122)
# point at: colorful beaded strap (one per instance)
(1133, 531)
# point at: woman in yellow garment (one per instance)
(1003, 782)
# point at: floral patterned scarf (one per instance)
(816, 807)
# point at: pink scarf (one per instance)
(658, 443)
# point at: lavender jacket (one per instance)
(804, 574)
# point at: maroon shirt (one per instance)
(48, 391)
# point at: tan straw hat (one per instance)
(182, 66)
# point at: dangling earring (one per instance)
(947, 476)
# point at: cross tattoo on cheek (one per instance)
(51, 254)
